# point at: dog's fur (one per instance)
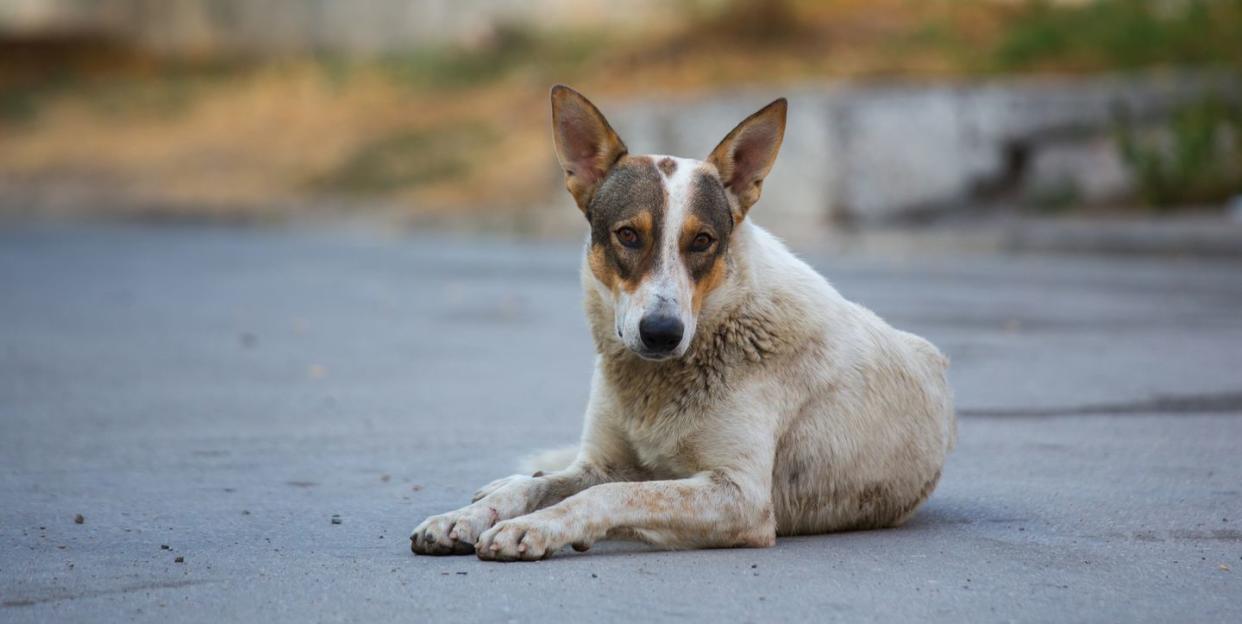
(784, 409)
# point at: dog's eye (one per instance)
(628, 237)
(702, 242)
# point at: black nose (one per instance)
(660, 333)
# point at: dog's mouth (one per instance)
(655, 356)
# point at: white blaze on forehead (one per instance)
(678, 185)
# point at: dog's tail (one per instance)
(550, 460)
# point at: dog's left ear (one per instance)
(586, 145)
(747, 154)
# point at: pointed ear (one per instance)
(746, 155)
(586, 145)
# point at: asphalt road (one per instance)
(220, 395)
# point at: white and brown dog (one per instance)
(737, 396)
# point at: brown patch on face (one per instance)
(667, 166)
(708, 214)
(597, 259)
(633, 195)
(704, 287)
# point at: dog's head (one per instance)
(660, 226)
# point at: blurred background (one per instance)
(945, 115)
(281, 278)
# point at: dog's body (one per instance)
(737, 396)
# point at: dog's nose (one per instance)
(661, 333)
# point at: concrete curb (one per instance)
(1191, 237)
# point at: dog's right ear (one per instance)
(586, 145)
(747, 154)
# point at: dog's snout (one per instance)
(661, 333)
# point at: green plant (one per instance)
(128, 86)
(408, 159)
(508, 50)
(1121, 34)
(1195, 158)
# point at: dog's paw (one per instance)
(494, 486)
(453, 533)
(520, 539)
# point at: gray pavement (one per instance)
(226, 392)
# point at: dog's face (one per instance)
(660, 226)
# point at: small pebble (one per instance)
(165, 547)
(336, 519)
(77, 519)
(179, 560)
(462, 573)
(594, 575)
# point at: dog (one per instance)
(736, 395)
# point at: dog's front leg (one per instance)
(711, 509)
(604, 456)
(455, 532)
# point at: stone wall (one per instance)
(284, 26)
(878, 153)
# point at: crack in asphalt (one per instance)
(127, 589)
(1027, 325)
(1160, 404)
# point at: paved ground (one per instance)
(227, 392)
